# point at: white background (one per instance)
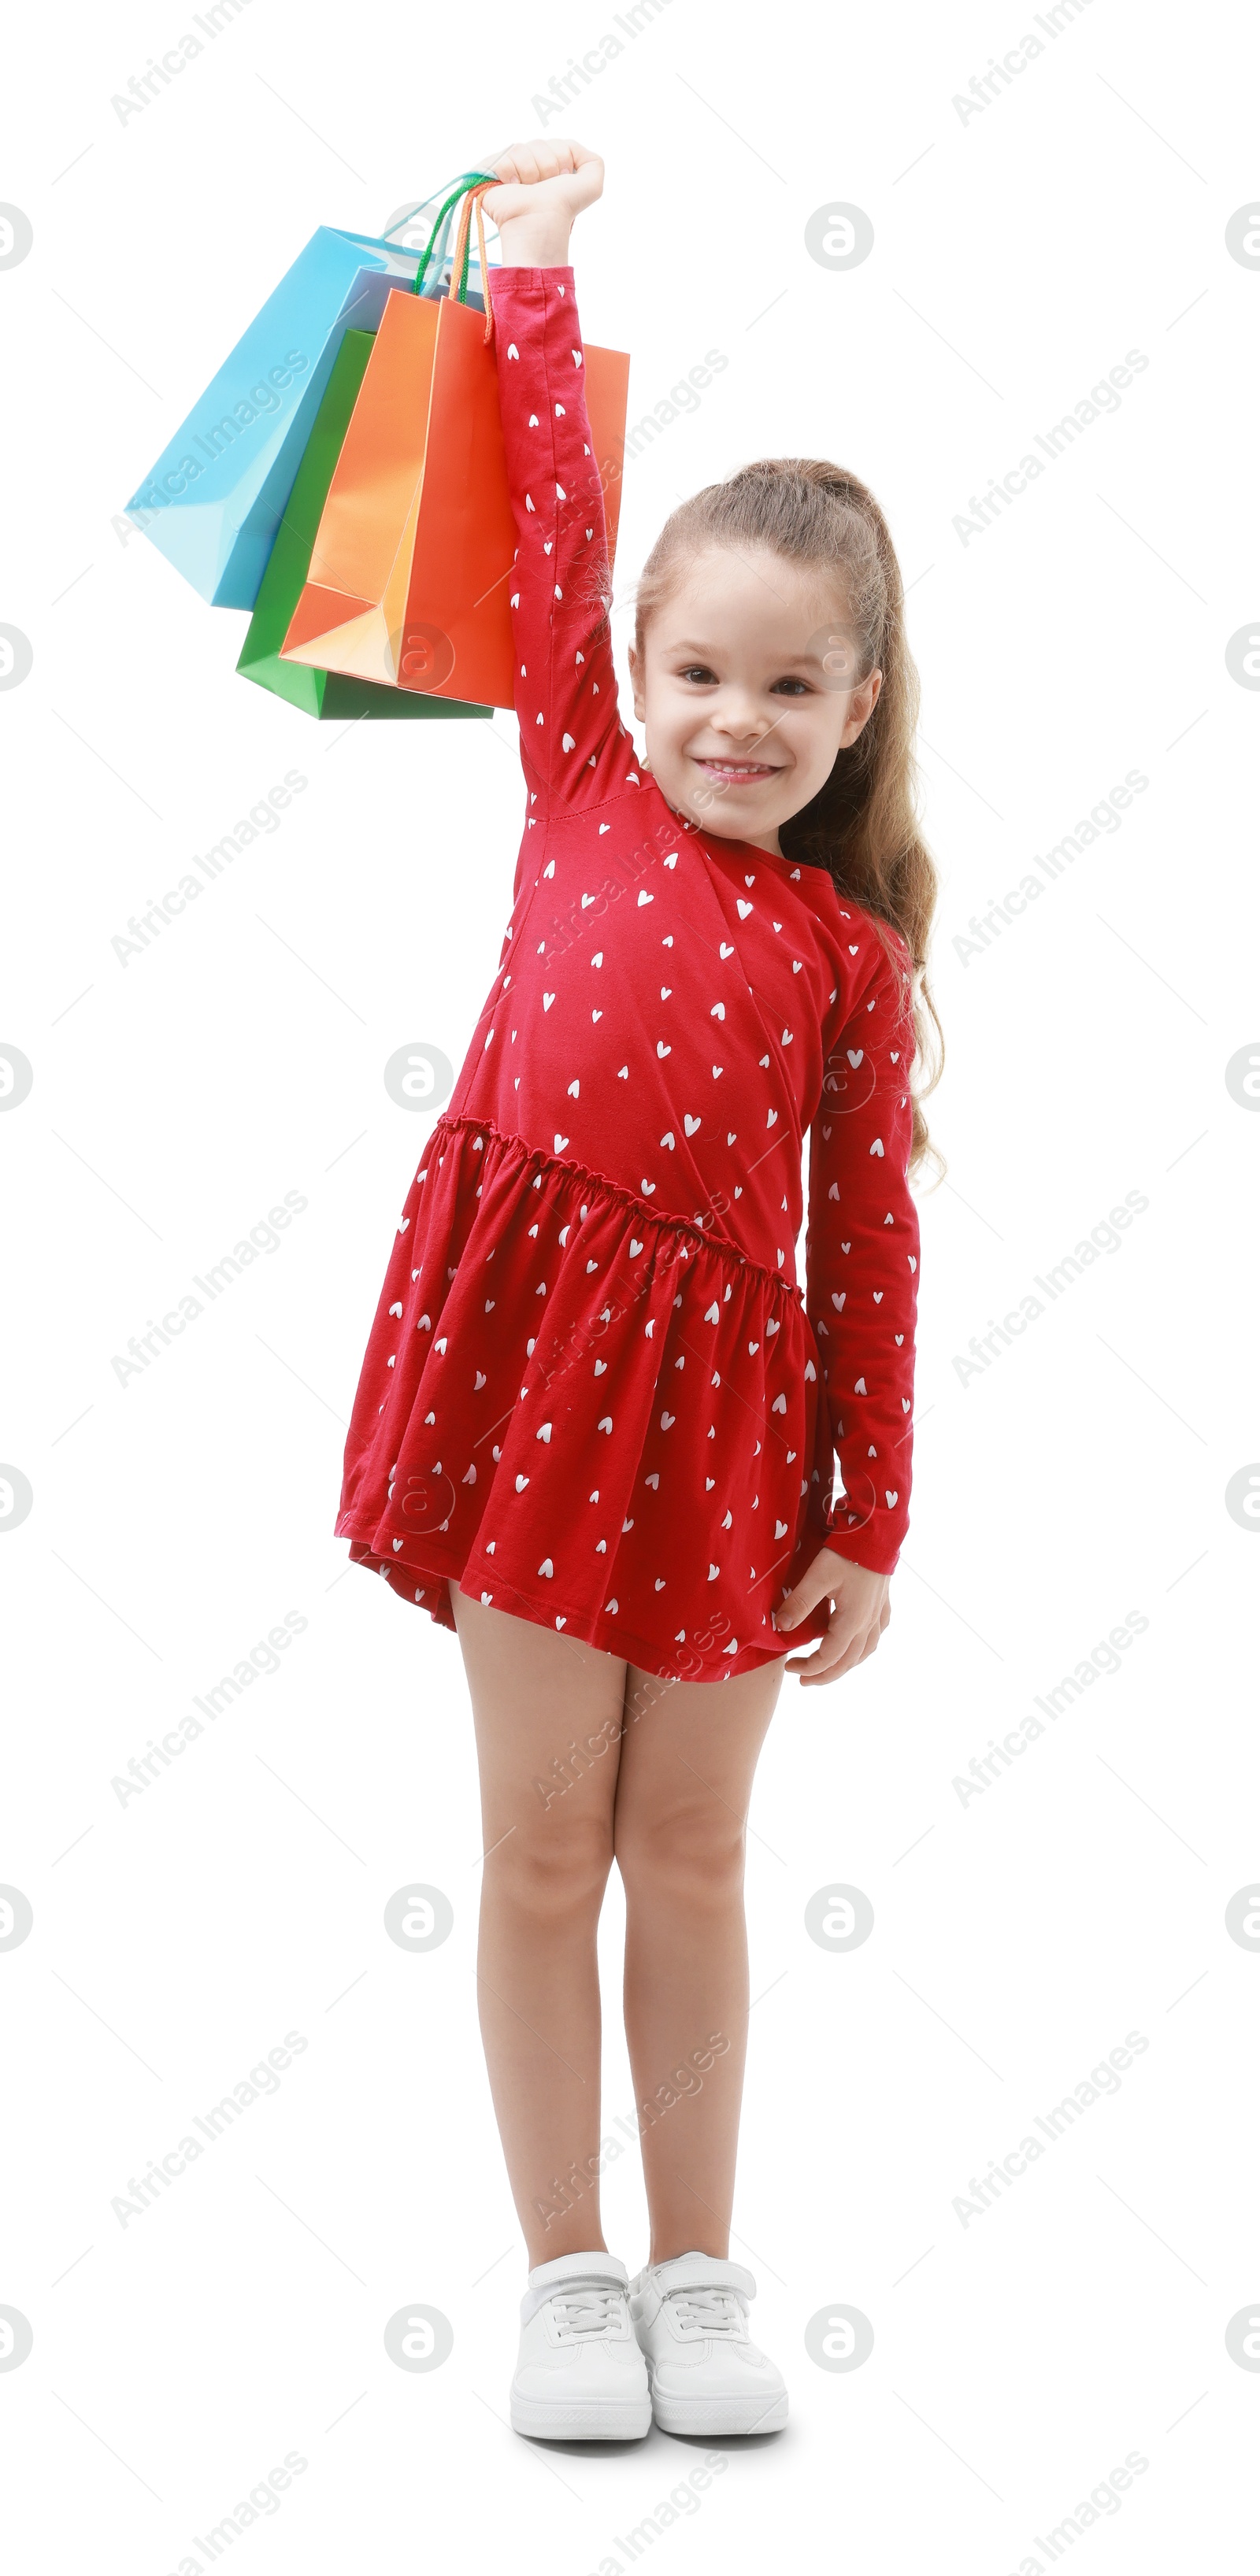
(1017, 257)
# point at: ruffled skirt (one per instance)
(602, 1420)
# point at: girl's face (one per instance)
(746, 692)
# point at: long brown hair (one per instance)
(862, 826)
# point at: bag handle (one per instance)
(442, 220)
(463, 244)
(412, 211)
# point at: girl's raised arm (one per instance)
(862, 1261)
(574, 749)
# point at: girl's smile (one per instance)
(735, 773)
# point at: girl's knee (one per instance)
(689, 1856)
(550, 1865)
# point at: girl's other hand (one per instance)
(543, 185)
(860, 1613)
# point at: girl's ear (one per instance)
(861, 708)
(636, 682)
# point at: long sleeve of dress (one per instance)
(862, 1260)
(574, 750)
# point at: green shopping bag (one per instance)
(325, 694)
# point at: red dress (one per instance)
(593, 1391)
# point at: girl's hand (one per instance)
(860, 1614)
(543, 186)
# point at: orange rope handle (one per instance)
(460, 252)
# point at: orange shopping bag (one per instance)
(410, 571)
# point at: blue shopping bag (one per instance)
(217, 493)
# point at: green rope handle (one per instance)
(470, 179)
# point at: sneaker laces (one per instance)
(587, 2312)
(708, 2311)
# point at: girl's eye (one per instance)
(705, 678)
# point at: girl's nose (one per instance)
(741, 718)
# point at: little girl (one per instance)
(595, 1425)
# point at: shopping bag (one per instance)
(215, 497)
(409, 580)
(321, 693)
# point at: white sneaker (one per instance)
(580, 2374)
(707, 2376)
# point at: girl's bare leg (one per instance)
(547, 1836)
(687, 1763)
